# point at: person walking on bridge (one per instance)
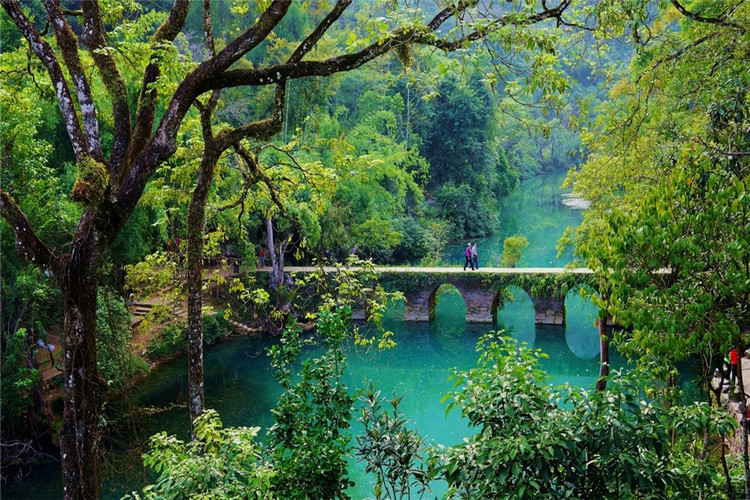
(474, 257)
(469, 260)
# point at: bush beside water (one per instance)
(173, 340)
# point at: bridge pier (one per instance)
(419, 306)
(549, 311)
(481, 303)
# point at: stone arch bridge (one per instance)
(483, 290)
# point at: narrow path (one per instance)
(733, 404)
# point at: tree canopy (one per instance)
(166, 132)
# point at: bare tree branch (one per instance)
(313, 38)
(28, 243)
(144, 122)
(257, 173)
(47, 56)
(449, 12)
(248, 40)
(68, 44)
(93, 37)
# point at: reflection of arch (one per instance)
(443, 289)
(449, 318)
(581, 333)
(517, 315)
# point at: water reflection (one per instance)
(517, 316)
(449, 324)
(536, 210)
(581, 332)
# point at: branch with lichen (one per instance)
(28, 243)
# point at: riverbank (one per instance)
(145, 327)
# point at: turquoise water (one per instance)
(241, 387)
(534, 210)
(240, 384)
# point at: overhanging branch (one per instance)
(295, 68)
(721, 21)
(47, 56)
(28, 243)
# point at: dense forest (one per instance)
(148, 145)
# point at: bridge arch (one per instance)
(482, 291)
(442, 294)
(481, 302)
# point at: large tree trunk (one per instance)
(84, 388)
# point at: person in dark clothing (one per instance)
(467, 255)
(474, 257)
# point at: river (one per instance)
(539, 210)
(241, 387)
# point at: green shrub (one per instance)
(223, 462)
(171, 340)
(214, 327)
(512, 247)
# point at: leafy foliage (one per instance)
(223, 462)
(19, 381)
(667, 178)
(171, 340)
(118, 365)
(392, 451)
(512, 247)
(533, 440)
(308, 441)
